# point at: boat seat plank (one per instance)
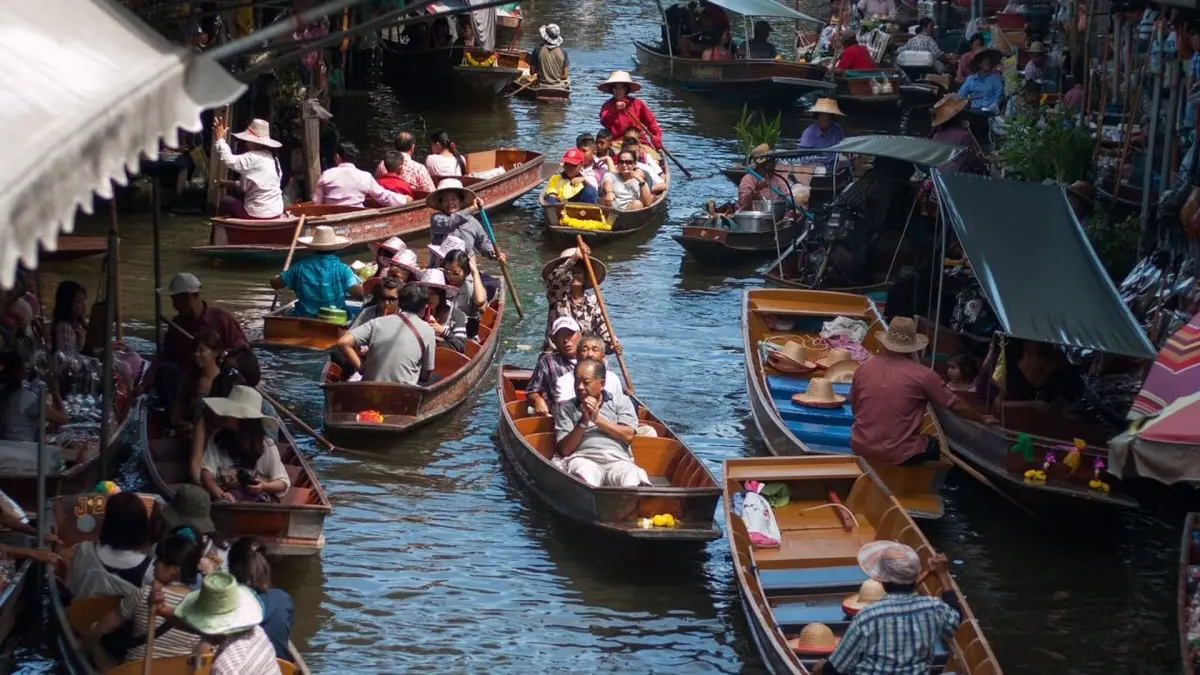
(795, 614)
(834, 418)
(765, 306)
(793, 516)
(761, 471)
(660, 481)
(826, 579)
(787, 385)
(815, 548)
(838, 437)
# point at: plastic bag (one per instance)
(759, 521)
(851, 329)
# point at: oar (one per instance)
(666, 152)
(587, 263)
(973, 473)
(512, 289)
(150, 630)
(291, 251)
(299, 422)
(521, 88)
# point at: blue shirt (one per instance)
(1196, 66)
(895, 636)
(815, 139)
(983, 92)
(319, 280)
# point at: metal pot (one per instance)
(753, 221)
(778, 208)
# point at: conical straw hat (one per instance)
(819, 395)
(815, 638)
(870, 591)
(826, 105)
(948, 108)
(835, 355)
(792, 357)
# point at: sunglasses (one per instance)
(627, 161)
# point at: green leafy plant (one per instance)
(1116, 244)
(1057, 150)
(751, 134)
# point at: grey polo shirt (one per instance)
(617, 409)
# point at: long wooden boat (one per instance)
(1189, 556)
(855, 95)
(270, 240)
(70, 247)
(806, 579)
(294, 526)
(785, 274)
(438, 73)
(283, 331)
(70, 622)
(621, 223)
(989, 448)
(405, 407)
(683, 486)
(760, 81)
(721, 245)
(774, 315)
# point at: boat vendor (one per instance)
(623, 111)
(1039, 62)
(549, 62)
(924, 41)
(262, 197)
(569, 185)
(984, 87)
(899, 632)
(974, 45)
(950, 126)
(452, 206)
(854, 56)
(321, 279)
(347, 185)
(753, 188)
(823, 133)
(889, 395)
(566, 281)
(759, 46)
(595, 430)
(400, 347)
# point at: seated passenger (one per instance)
(590, 346)
(448, 322)
(249, 565)
(723, 50)
(197, 382)
(227, 615)
(400, 347)
(118, 563)
(189, 513)
(390, 179)
(985, 86)
(594, 432)
(760, 47)
(541, 390)
(462, 273)
(320, 279)
(20, 404)
(854, 56)
(648, 168)
(385, 302)
(241, 462)
(569, 185)
(444, 159)
(624, 190)
(347, 185)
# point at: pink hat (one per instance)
(407, 258)
(573, 156)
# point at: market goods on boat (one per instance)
(270, 240)
(682, 486)
(1188, 589)
(823, 187)
(381, 411)
(295, 525)
(834, 506)
(596, 223)
(735, 237)
(773, 317)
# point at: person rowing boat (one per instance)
(623, 111)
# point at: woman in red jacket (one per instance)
(623, 111)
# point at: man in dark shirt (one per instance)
(760, 47)
(541, 390)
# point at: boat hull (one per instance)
(282, 331)
(435, 74)
(690, 496)
(623, 223)
(760, 81)
(717, 245)
(73, 247)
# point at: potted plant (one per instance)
(751, 134)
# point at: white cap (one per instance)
(184, 282)
(564, 322)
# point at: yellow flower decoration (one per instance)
(469, 60)
(581, 224)
(1099, 486)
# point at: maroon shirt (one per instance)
(888, 395)
(179, 349)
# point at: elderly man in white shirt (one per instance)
(347, 185)
(259, 169)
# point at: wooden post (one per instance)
(217, 171)
(312, 146)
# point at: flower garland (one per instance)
(487, 62)
(584, 224)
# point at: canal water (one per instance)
(435, 560)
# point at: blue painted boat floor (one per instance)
(821, 429)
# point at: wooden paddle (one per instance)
(587, 263)
(512, 289)
(666, 152)
(299, 422)
(291, 251)
(151, 628)
(522, 88)
(973, 473)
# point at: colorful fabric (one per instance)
(394, 182)
(1175, 373)
(320, 280)
(895, 635)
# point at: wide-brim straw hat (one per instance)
(243, 403)
(841, 372)
(1036, 47)
(600, 269)
(948, 108)
(819, 394)
(393, 244)
(445, 187)
(551, 35)
(259, 132)
(324, 239)
(816, 639)
(993, 54)
(758, 154)
(618, 77)
(902, 337)
(835, 355)
(890, 562)
(792, 356)
(191, 506)
(870, 591)
(435, 278)
(221, 606)
(828, 106)
(1083, 190)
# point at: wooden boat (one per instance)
(547, 93)
(269, 240)
(855, 96)
(785, 274)
(446, 73)
(405, 407)
(70, 623)
(806, 579)
(74, 247)
(282, 331)
(773, 315)
(682, 486)
(295, 526)
(621, 223)
(760, 81)
(1189, 556)
(989, 448)
(708, 243)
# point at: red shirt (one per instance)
(617, 121)
(888, 395)
(394, 183)
(855, 57)
(179, 349)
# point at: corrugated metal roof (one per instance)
(919, 151)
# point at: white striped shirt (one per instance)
(172, 643)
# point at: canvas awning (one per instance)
(1036, 266)
(1165, 448)
(88, 89)
(920, 151)
(768, 8)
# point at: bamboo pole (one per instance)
(291, 252)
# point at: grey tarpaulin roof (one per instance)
(919, 151)
(763, 8)
(88, 88)
(1036, 265)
